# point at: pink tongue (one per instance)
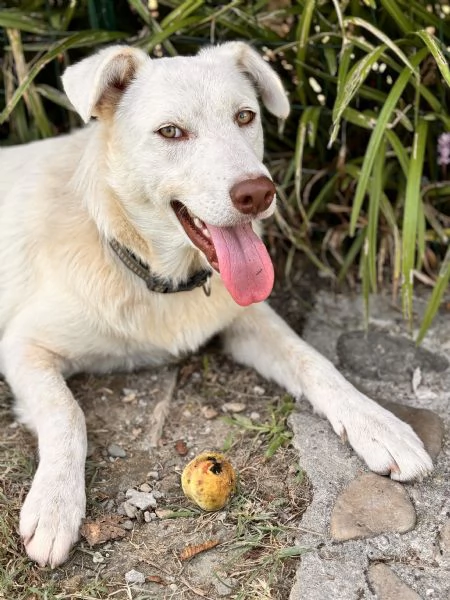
(245, 266)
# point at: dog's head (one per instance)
(185, 147)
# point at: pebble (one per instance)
(148, 516)
(116, 451)
(258, 390)
(209, 412)
(97, 557)
(371, 505)
(152, 475)
(145, 487)
(255, 416)
(224, 586)
(234, 407)
(128, 525)
(129, 510)
(388, 586)
(181, 447)
(134, 576)
(141, 500)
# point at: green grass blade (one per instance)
(83, 38)
(399, 16)
(377, 136)
(436, 297)
(16, 19)
(304, 26)
(353, 82)
(411, 215)
(180, 13)
(344, 64)
(389, 214)
(399, 149)
(352, 253)
(307, 129)
(435, 47)
(54, 95)
(384, 38)
(376, 189)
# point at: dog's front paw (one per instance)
(388, 445)
(51, 516)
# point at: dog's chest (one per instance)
(156, 329)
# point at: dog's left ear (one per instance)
(95, 85)
(262, 75)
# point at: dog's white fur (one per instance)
(67, 303)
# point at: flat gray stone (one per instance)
(379, 355)
(388, 586)
(371, 505)
(444, 543)
(141, 500)
(134, 576)
(116, 451)
(426, 423)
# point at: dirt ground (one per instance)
(255, 556)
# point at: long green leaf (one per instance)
(377, 136)
(353, 82)
(384, 38)
(83, 37)
(435, 47)
(413, 200)
(436, 297)
(16, 19)
(399, 16)
(303, 28)
(376, 189)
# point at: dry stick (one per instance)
(161, 410)
(31, 97)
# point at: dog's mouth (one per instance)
(197, 232)
(237, 253)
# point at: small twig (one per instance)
(161, 410)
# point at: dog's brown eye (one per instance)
(244, 117)
(170, 131)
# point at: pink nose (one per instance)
(253, 196)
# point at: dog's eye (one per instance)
(244, 117)
(170, 131)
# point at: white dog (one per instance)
(131, 242)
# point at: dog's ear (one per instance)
(95, 85)
(261, 74)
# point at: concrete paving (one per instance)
(404, 566)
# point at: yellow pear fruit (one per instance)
(209, 480)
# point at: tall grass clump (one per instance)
(362, 165)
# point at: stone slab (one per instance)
(340, 570)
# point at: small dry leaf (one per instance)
(190, 551)
(181, 447)
(103, 529)
(155, 579)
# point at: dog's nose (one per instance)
(253, 196)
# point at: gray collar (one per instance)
(160, 284)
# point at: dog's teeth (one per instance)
(206, 232)
(198, 223)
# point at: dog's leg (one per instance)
(261, 339)
(53, 510)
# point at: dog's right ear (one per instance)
(95, 85)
